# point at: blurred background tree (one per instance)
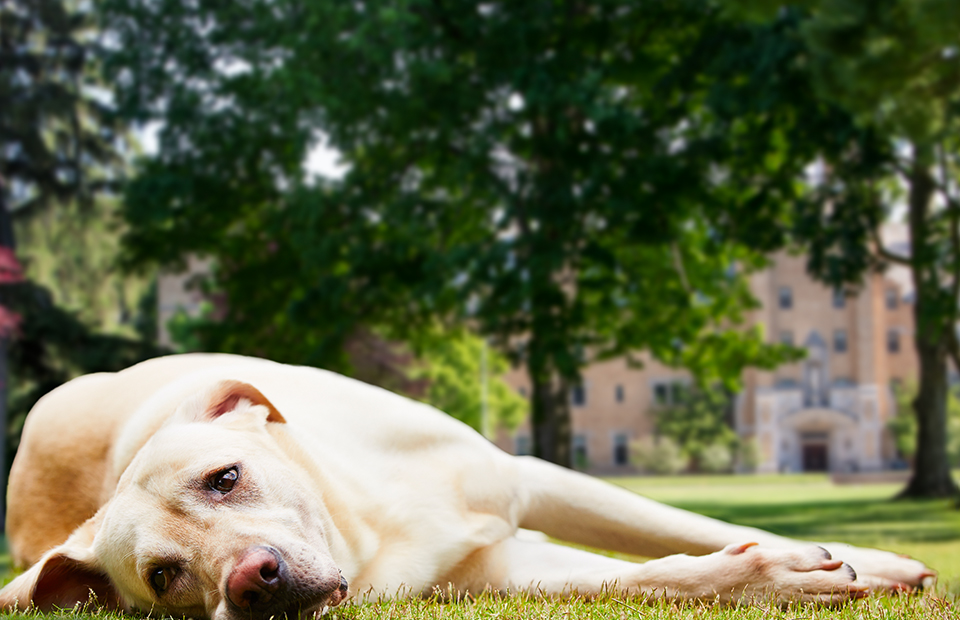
(574, 181)
(542, 170)
(461, 373)
(59, 149)
(904, 425)
(701, 423)
(892, 67)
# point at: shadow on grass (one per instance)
(907, 521)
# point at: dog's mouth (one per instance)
(261, 585)
(331, 600)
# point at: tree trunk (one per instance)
(550, 408)
(931, 473)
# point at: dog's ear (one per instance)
(228, 397)
(65, 577)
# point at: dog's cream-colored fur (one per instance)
(112, 483)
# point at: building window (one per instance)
(785, 297)
(668, 393)
(621, 449)
(893, 341)
(522, 446)
(618, 393)
(578, 396)
(839, 298)
(786, 337)
(892, 299)
(580, 455)
(840, 341)
(661, 393)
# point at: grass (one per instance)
(810, 507)
(801, 506)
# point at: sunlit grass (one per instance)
(810, 507)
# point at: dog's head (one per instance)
(210, 519)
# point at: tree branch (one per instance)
(953, 212)
(953, 346)
(886, 254)
(678, 264)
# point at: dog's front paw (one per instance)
(883, 570)
(808, 574)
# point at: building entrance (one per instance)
(815, 457)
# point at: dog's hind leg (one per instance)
(578, 508)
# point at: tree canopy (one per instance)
(546, 170)
(893, 67)
(59, 147)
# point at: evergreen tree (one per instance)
(57, 146)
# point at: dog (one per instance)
(225, 487)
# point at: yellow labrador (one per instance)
(229, 487)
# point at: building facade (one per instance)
(827, 412)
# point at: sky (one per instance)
(322, 161)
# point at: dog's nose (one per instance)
(256, 578)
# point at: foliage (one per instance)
(58, 137)
(72, 251)
(451, 361)
(53, 346)
(541, 171)
(747, 456)
(58, 146)
(716, 458)
(659, 455)
(886, 75)
(700, 423)
(903, 425)
(443, 368)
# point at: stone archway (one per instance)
(820, 439)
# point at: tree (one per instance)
(534, 167)
(56, 145)
(894, 66)
(698, 423)
(464, 378)
(904, 423)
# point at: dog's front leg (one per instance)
(742, 572)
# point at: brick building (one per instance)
(827, 412)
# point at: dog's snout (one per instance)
(256, 578)
(343, 585)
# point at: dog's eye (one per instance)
(224, 481)
(161, 578)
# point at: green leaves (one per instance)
(549, 174)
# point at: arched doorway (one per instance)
(820, 440)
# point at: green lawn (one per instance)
(806, 506)
(810, 507)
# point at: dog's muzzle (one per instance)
(260, 587)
